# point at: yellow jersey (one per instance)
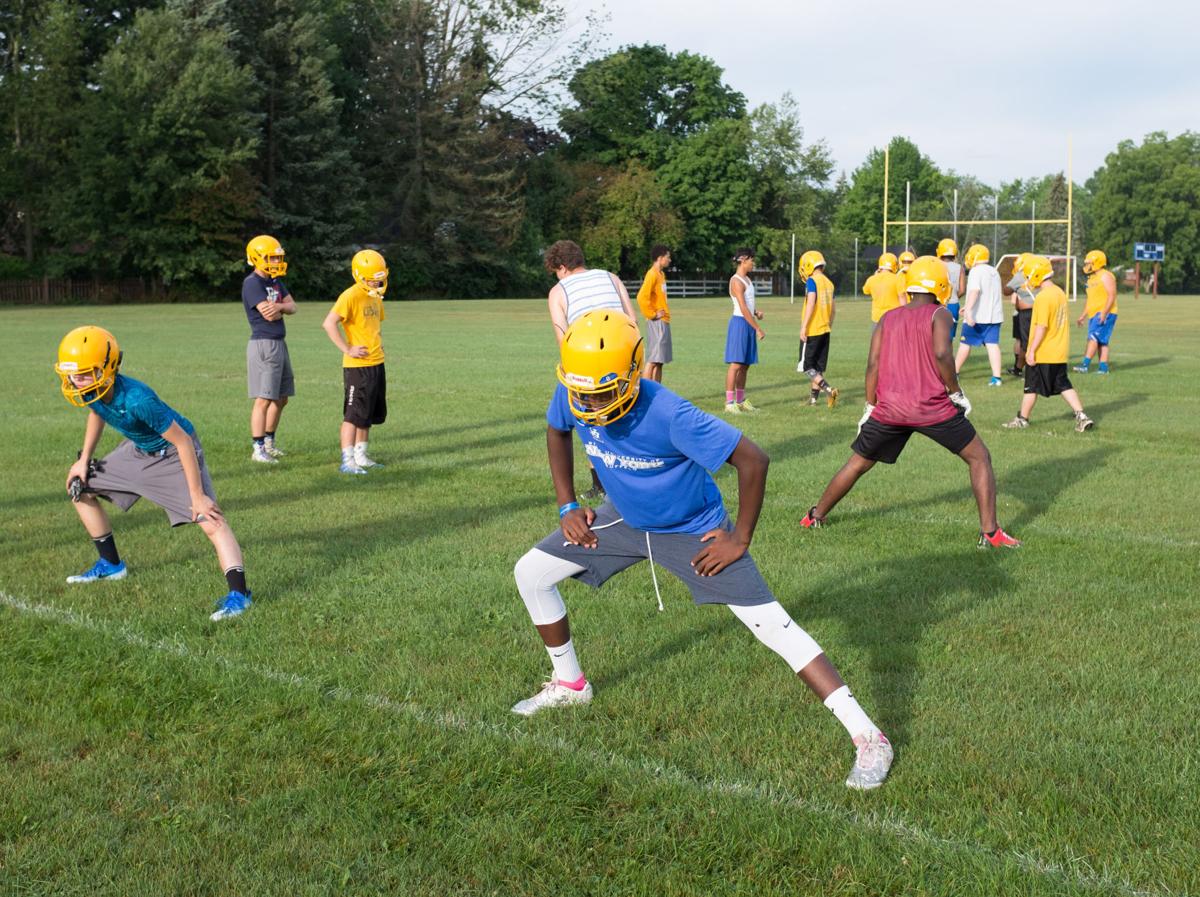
(652, 297)
(362, 317)
(1050, 311)
(1097, 295)
(884, 289)
(823, 310)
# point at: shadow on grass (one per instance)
(1142, 363)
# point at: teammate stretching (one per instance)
(160, 459)
(1101, 310)
(654, 451)
(815, 327)
(912, 388)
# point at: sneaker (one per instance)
(261, 455)
(1080, 369)
(998, 539)
(832, 397)
(746, 406)
(811, 520)
(1083, 422)
(995, 381)
(272, 450)
(1016, 371)
(1017, 423)
(1103, 370)
(733, 408)
(351, 467)
(365, 463)
(230, 606)
(553, 694)
(102, 569)
(594, 493)
(812, 400)
(871, 763)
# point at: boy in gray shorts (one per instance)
(653, 450)
(266, 299)
(161, 459)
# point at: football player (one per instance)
(1022, 300)
(883, 287)
(815, 326)
(1101, 309)
(907, 257)
(1049, 344)
(160, 459)
(912, 387)
(654, 451)
(266, 300)
(983, 312)
(947, 251)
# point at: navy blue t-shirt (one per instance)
(254, 290)
(654, 461)
(138, 414)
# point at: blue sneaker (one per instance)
(995, 381)
(230, 606)
(1103, 369)
(102, 569)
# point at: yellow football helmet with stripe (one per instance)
(1037, 270)
(887, 262)
(88, 352)
(370, 272)
(928, 275)
(977, 254)
(266, 253)
(810, 262)
(947, 247)
(600, 365)
(907, 257)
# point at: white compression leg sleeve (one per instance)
(772, 626)
(538, 575)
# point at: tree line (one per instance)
(460, 137)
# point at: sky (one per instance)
(996, 96)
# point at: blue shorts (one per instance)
(978, 334)
(1101, 333)
(741, 342)
(952, 307)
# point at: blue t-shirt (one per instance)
(654, 461)
(138, 414)
(254, 290)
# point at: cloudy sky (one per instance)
(987, 95)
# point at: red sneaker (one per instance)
(811, 520)
(998, 539)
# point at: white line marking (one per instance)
(1077, 871)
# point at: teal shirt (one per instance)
(138, 414)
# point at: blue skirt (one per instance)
(741, 342)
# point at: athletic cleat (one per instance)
(102, 569)
(832, 397)
(553, 694)
(1017, 423)
(273, 450)
(746, 406)
(871, 763)
(351, 467)
(1103, 370)
(1016, 371)
(261, 455)
(998, 539)
(231, 605)
(733, 408)
(366, 463)
(995, 381)
(1083, 422)
(811, 520)
(1080, 369)
(813, 400)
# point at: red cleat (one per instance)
(812, 521)
(998, 539)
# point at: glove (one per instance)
(867, 409)
(75, 489)
(962, 402)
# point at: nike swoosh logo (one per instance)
(560, 655)
(787, 624)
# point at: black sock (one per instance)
(596, 480)
(991, 534)
(258, 440)
(236, 577)
(815, 393)
(107, 547)
(270, 434)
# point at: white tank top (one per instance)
(588, 291)
(748, 296)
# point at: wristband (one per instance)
(568, 507)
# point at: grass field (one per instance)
(351, 734)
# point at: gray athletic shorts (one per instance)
(269, 369)
(658, 342)
(128, 473)
(621, 546)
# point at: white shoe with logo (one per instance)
(871, 762)
(553, 694)
(273, 450)
(261, 456)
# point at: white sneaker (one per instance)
(272, 450)
(871, 763)
(260, 455)
(733, 408)
(364, 462)
(553, 694)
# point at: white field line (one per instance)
(1076, 872)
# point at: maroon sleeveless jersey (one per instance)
(910, 392)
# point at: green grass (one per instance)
(351, 734)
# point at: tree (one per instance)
(634, 215)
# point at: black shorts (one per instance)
(1047, 379)
(364, 402)
(885, 442)
(1021, 321)
(814, 354)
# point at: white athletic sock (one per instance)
(849, 713)
(566, 664)
(360, 449)
(347, 455)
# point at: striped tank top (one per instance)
(589, 290)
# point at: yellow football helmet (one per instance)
(88, 350)
(809, 262)
(266, 253)
(601, 363)
(947, 247)
(1037, 270)
(977, 254)
(907, 257)
(928, 275)
(370, 272)
(1094, 261)
(887, 261)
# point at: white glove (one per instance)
(867, 409)
(962, 402)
